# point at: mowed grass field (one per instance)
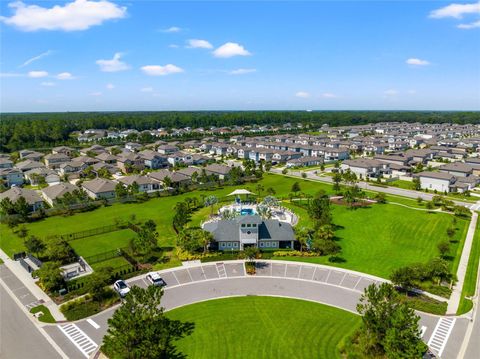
(264, 327)
(101, 243)
(158, 209)
(374, 240)
(383, 237)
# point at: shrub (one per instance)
(294, 254)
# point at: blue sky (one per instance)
(89, 55)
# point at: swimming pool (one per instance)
(247, 211)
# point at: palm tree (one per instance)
(211, 201)
(206, 238)
(302, 235)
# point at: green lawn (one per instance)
(470, 282)
(113, 263)
(47, 317)
(264, 327)
(380, 238)
(158, 209)
(90, 246)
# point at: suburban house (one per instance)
(365, 167)
(31, 155)
(128, 162)
(6, 163)
(54, 160)
(221, 171)
(52, 193)
(31, 197)
(64, 150)
(28, 165)
(72, 167)
(175, 177)
(475, 163)
(145, 184)
(457, 169)
(33, 176)
(304, 162)
(190, 171)
(167, 149)
(11, 176)
(107, 158)
(100, 188)
(442, 182)
(152, 159)
(250, 230)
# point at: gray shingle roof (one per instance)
(228, 229)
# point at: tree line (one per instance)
(37, 130)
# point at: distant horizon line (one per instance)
(223, 111)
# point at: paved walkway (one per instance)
(19, 277)
(366, 186)
(462, 266)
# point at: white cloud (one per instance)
(146, 89)
(328, 95)
(64, 76)
(173, 46)
(472, 25)
(302, 94)
(74, 16)
(242, 71)
(110, 86)
(36, 58)
(172, 29)
(96, 93)
(37, 74)
(417, 62)
(198, 44)
(157, 70)
(456, 11)
(48, 83)
(412, 92)
(390, 92)
(114, 64)
(231, 49)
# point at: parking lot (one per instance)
(275, 269)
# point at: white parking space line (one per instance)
(423, 329)
(93, 324)
(78, 337)
(222, 273)
(440, 335)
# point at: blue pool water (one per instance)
(247, 211)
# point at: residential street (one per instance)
(311, 175)
(20, 338)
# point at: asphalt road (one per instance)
(364, 185)
(330, 286)
(19, 337)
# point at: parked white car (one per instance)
(154, 279)
(121, 287)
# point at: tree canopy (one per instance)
(139, 328)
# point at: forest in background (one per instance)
(42, 130)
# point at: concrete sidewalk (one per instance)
(462, 266)
(26, 279)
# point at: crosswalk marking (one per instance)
(222, 273)
(93, 324)
(440, 335)
(81, 340)
(34, 304)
